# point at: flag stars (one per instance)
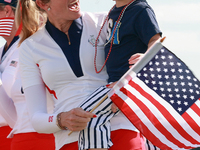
(185, 103)
(166, 76)
(150, 63)
(187, 71)
(175, 83)
(156, 57)
(179, 64)
(158, 69)
(176, 90)
(191, 90)
(153, 75)
(162, 57)
(170, 57)
(153, 82)
(185, 96)
(172, 80)
(163, 95)
(179, 102)
(181, 77)
(184, 90)
(155, 88)
(172, 101)
(171, 63)
(168, 83)
(195, 79)
(162, 50)
(173, 70)
(189, 77)
(179, 109)
(139, 74)
(190, 84)
(159, 76)
(182, 83)
(169, 89)
(157, 63)
(145, 75)
(196, 85)
(192, 97)
(164, 63)
(170, 95)
(144, 69)
(180, 70)
(174, 77)
(197, 92)
(178, 95)
(151, 69)
(162, 89)
(165, 70)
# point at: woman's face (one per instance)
(64, 9)
(2, 12)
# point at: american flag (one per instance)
(8, 1)
(13, 63)
(161, 97)
(6, 25)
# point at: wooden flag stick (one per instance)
(99, 103)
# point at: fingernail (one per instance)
(94, 116)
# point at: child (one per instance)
(131, 28)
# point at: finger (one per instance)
(114, 108)
(134, 56)
(112, 84)
(84, 114)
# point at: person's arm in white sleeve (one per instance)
(41, 121)
(7, 108)
(35, 93)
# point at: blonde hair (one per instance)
(30, 15)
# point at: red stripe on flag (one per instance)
(130, 114)
(154, 120)
(191, 122)
(165, 113)
(196, 109)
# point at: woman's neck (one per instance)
(62, 25)
(120, 3)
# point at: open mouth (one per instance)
(74, 6)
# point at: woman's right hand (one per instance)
(76, 119)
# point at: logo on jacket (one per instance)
(92, 40)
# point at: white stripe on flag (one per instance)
(176, 116)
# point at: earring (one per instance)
(49, 9)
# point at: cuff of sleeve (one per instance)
(45, 123)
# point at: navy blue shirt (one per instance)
(137, 26)
(71, 51)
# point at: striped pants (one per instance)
(97, 133)
(150, 146)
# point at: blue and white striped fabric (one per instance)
(97, 134)
(150, 146)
